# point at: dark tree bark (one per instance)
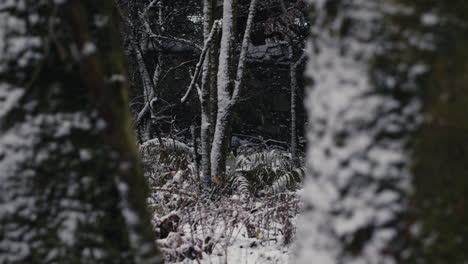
(72, 188)
(437, 214)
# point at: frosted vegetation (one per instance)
(248, 219)
(154, 131)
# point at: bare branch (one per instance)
(176, 67)
(299, 61)
(175, 39)
(196, 86)
(244, 50)
(145, 11)
(215, 28)
(142, 114)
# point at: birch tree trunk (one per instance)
(227, 83)
(223, 92)
(206, 118)
(148, 93)
(72, 190)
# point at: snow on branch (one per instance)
(208, 42)
(299, 61)
(147, 8)
(244, 51)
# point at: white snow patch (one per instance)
(88, 49)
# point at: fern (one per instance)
(289, 180)
(271, 159)
(167, 143)
(268, 172)
(242, 184)
(162, 158)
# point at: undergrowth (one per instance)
(258, 201)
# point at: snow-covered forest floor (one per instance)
(225, 232)
(250, 218)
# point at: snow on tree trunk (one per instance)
(205, 129)
(361, 115)
(225, 82)
(205, 67)
(217, 154)
(143, 118)
(205, 136)
(71, 188)
(223, 92)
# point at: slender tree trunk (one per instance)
(195, 156)
(293, 114)
(213, 86)
(144, 117)
(206, 121)
(228, 81)
(223, 93)
(219, 142)
(294, 88)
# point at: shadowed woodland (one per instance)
(233, 131)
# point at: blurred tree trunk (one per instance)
(388, 133)
(438, 205)
(363, 108)
(72, 189)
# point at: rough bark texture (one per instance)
(72, 189)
